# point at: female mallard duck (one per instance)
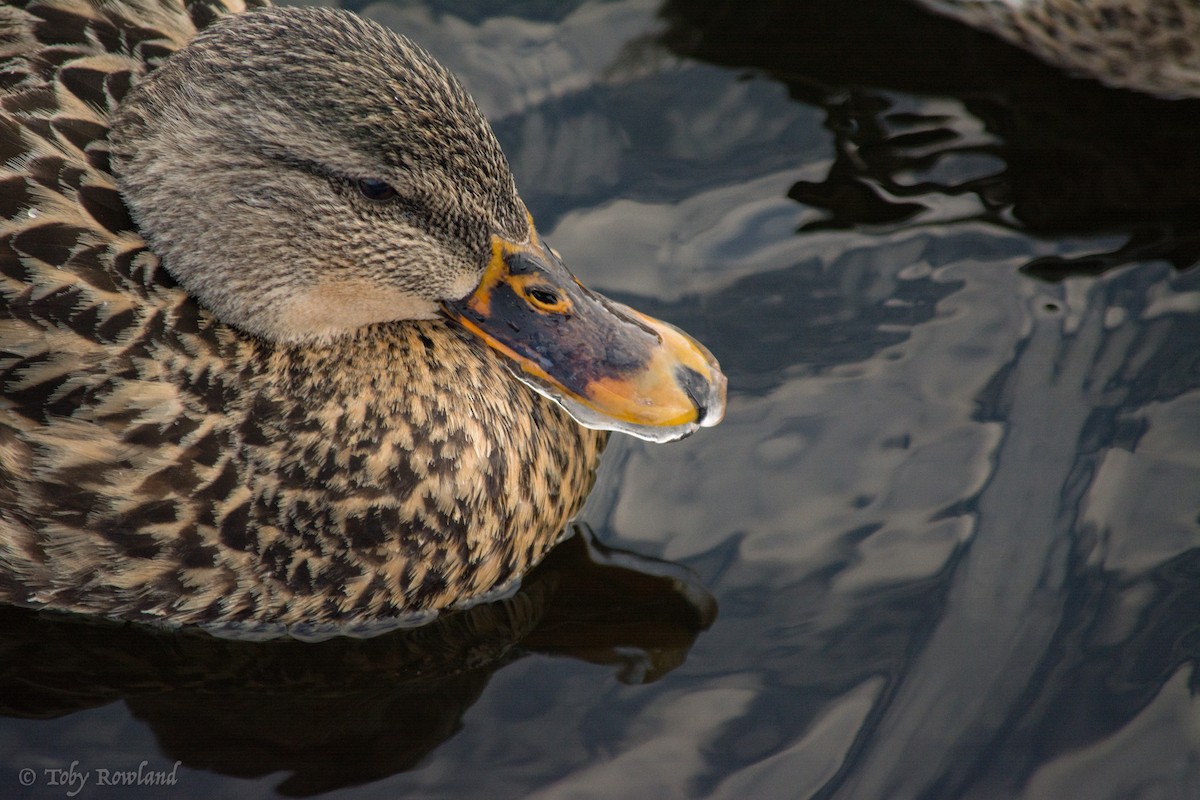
(308, 411)
(1151, 46)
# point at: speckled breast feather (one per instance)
(158, 464)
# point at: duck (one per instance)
(1149, 46)
(280, 344)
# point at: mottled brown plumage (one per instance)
(157, 463)
(1151, 46)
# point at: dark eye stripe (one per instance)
(376, 190)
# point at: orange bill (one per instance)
(608, 365)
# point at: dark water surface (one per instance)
(949, 523)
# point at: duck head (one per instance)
(305, 173)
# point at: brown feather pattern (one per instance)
(158, 464)
(1150, 46)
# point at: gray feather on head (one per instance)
(279, 115)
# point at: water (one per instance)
(944, 544)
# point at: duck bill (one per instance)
(611, 367)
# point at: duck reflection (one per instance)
(348, 711)
(1027, 147)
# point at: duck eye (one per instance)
(376, 190)
(543, 296)
(547, 300)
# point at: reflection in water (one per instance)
(1030, 555)
(951, 516)
(348, 711)
(1057, 156)
(984, 702)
